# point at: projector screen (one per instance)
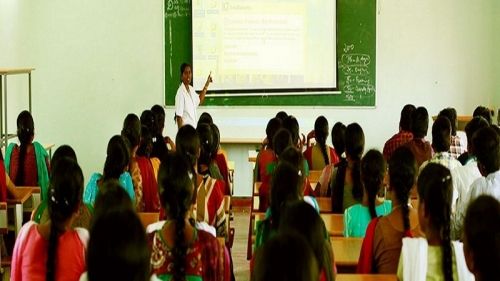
(264, 44)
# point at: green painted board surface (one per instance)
(356, 43)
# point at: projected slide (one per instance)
(264, 44)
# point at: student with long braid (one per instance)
(382, 243)
(148, 166)
(435, 256)
(338, 142)
(180, 251)
(28, 163)
(210, 191)
(320, 155)
(357, 217)
(345, 185)
(53, 250)
(131, 131)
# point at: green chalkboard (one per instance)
(356, 42)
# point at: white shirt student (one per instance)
(187, 100)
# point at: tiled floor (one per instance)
(239, 250)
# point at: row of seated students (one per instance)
(184, 184)
(354, 183)
(292, 170)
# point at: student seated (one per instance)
(320, 154)
(210, 191)
(465, 175)
(109, 258)
(115, 167)
(178, 249)
(345, 185)
(357, 217)
(292, 125)
(456, 148)
(404, 135)
(475, 124)
(486, 147)
(53, 250)
(286, 186)
(382, 244)
(338, 142)
(160, 148)
(148, 166)
(420, 148)
(131, 132)
(481, 243)
(435, 257)
(285, 257)
(41, 214)
(301, 218)
(267, 160)
(28, 163)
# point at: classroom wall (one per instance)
(496, 57)
(95, 62)
(98, 60)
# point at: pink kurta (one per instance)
(30, 255)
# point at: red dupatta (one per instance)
(149, 185)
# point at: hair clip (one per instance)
(300, 173)
(447, 178)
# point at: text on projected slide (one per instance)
(264, 44)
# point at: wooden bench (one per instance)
(346, 252)
(15, 204)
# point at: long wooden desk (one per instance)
(366, 277)
(4, 72)
(334, 224)
(15, 202)
(346, 253)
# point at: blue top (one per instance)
(91, 190)
(357, 218)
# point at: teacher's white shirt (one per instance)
(186, 104)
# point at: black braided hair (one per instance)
(117, 249)
(206, 144)
(354, 147)
(188, 146)
(176, 188)
(286, 187)
(216, 140)
(338, 138)
(132, 130)
(435, 192)
(159, 113)
(65, 195)
(402, 175)
(272, 127)
(146, 146)
(281, 140)
(320, 134)
(373, 168)
(25, 133)
(302, 218)
(148, 119)
(117, 158)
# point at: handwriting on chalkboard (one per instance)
(177, 9)
(355, 70)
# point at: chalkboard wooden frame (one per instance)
(356, 59)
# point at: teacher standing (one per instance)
(186, 99)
